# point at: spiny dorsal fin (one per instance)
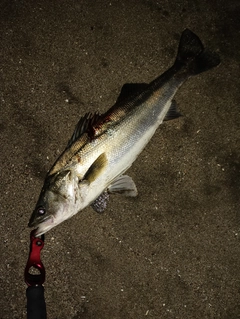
(96, 168)
(84, 125)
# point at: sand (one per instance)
(172, 252)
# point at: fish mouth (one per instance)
(45, 225)
(35, 222)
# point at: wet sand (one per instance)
(172, 252)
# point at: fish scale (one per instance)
(103, 147)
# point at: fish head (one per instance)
(58, 201)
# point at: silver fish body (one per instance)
(104, 146)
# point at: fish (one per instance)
(104, 146)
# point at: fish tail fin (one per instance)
(193, 55)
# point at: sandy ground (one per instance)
(172, 252)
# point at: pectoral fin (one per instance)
(123, 185)
(96, 168)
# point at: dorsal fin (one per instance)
(130, 89)
(84, 125)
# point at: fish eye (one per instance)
(41, 210)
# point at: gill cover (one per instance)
(55, 190)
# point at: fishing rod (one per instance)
(36, 306)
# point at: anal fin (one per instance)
(172, 112)
(123, 184)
